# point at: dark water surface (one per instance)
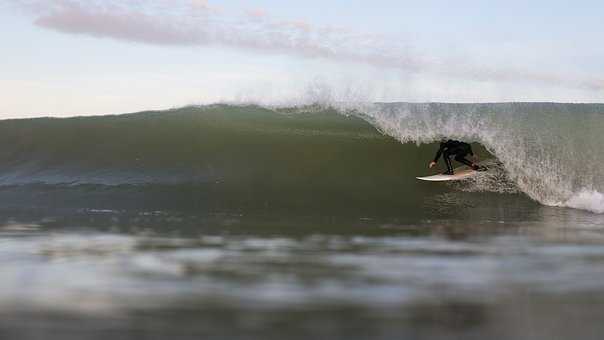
(506, 269)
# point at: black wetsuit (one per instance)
(455, 148)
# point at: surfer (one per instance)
(455, 148)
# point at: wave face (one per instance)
(339, 158)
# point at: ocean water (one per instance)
(248, 222)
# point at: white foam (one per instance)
(590, 200)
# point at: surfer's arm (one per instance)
(439, 152)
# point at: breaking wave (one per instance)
(338, 156)
(552, 152)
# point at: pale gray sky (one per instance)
(71, 57)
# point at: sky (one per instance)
(77, 57)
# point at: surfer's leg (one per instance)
(461, 158)
(448, 163)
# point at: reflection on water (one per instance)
(159, 275)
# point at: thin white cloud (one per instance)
(121, 24)
(198, 23)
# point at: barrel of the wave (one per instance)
(552, 152)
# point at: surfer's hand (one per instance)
(432, 164)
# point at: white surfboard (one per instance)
(458, 175)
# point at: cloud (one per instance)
(200, 4)
(123, 25)
(256, 13)
(198, 23)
